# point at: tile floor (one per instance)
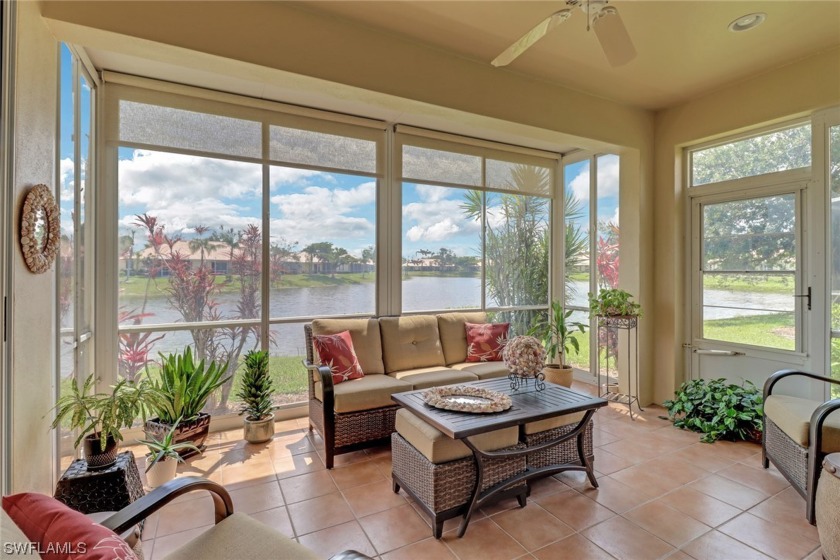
(662, 495)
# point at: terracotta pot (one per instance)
(559, 375)
(258, 431)
(94, 456)
(195, 431)
(161, 472)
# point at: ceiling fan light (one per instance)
(613, 36)
(747, 22)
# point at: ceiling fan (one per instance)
(603, 19)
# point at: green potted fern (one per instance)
(181, 390)
(164, 456)
(558, 336)
(255, 390)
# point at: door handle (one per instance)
(808, 295)
(717, 352)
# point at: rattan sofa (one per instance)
(798, 434)
(397, 354)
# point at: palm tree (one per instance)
(200, 243)
(230, 238)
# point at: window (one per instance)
(834, 197)
(776, 151)
(235, 227)
(591, 204)
(475, 228)
(75, 262)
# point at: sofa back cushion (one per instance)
(410, 342)
(62, 533)
(367, 341)
(453, 335)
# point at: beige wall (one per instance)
(33, 342)
(794, 90)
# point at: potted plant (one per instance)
(255, 391)
(164, 456)
(99, 417)
(181, 390)
(558, 336)
(613, 302)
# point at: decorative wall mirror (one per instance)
(40, 229)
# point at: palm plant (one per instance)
(183, 387)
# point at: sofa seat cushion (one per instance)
(551, 423)
(453, 336)
(793, 416)
(424, 378)
(12, 535)
(366, 340)
(371, 391)
(439, 448)
(410, 342)
(484, 370)
(240, 536)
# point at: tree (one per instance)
(231, 240)
(200, 243)
(322, 250)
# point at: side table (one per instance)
(109, 489)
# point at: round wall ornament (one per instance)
(40, 229)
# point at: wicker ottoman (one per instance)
(535, 433)
(828, 507)
(441, 474)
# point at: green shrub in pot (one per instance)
(612, 302)
(558, 336)
(718, 410)
(255, 390)
(164, 456)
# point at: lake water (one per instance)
(418, 294)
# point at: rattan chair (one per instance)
(795, 443)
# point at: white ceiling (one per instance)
(684, 47)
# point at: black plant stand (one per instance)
(108, 489)
(611, 390)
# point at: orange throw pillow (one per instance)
(485, 341)
(336, 351)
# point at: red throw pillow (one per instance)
(485, 341)
(61, 533)
(336, 351)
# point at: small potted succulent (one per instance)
(99, 417)
(255, 390)
(181, 390)
(558, 336)
(164, 456)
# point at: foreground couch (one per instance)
(397, 354)
(48, 525)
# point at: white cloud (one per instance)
(436, 217)
(608, 179)
(615, 217)
(68, 181)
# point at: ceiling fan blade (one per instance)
(613, 36)
(526, 41)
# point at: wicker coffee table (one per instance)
(528, 406)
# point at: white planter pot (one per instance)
(258, 431)
(161, 472)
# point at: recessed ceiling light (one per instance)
(748, 21)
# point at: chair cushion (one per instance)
(336, 351)
(63, 533)
(423, 378)
(410, 342)
(366, 339)
(240, 536)
(484, 370)
(439, 448)
(371, 391)
(12, 535)
(485, 341)
(551, 423)
(453, 336)
(793, 416)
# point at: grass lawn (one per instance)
(756, 285)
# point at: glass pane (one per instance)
(189, 238)
(67, 372)
(516, 250)
(143, 123)
(291, 145)
(607, 188)
(768, 153)
(520, 320)
(576, 209)
(519, 177)
(441, 248)
(67, 198)
(287, 348)
(580, 359)
(424, 164)
(322, 246)
(835, 366)
(834, 194)
(85, 228)
(742, 240)
(758, 234)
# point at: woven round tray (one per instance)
(467, 399)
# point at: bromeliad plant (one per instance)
(557, 333)
(183, 387)
(166, 448)
(256, 387)
(718, 410)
